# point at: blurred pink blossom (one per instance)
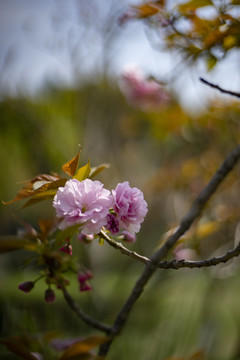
(83, 278)
(129, 206)
(85, 203)
(141, 92)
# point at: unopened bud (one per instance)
(26, 286)
(49, 296)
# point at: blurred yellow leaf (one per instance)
(83, 347)
(194, 4)
(11, 242)
(96, 170)
(148, 9)
(83, 172)
(207, 229)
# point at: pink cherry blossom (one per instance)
(129, 206)
(85, 203)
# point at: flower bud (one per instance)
(128, 237)
(67, 249)
(85, 287)
(26, 286)
(49, 296)
(82, 237)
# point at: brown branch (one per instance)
(174, 264)
(232, 93)
(83, 316)
(186, 223)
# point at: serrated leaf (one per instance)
(194, 4)
(18, 348)
(10, 243)
(83, 172)
(70, 167)
(96, 170)
(83, 347)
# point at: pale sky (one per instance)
(51, 40)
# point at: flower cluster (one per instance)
(91, 206)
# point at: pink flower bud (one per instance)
(85, 287)
(84, 276)
(86, 238)
(67, 249)
(49, 296)
(26, 286)
(128, 237)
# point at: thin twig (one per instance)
(186, 223)
(83, 316)
(174, 264)
(232, 93)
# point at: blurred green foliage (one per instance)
(170, 155)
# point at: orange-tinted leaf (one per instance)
(194, 4)
(197, 355)
(18, 348)
(147, 9)
(83, 172)
(83, 347)
(96, 170)
(70, 167)
(10, 243)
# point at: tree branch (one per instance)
(232, 93)
(83, 316)
(174, 264)
(186, 223)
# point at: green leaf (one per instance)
(96, 170)
(45, 195)
(83, 172)
(211, 62)
(15, 346)
(68, 232)
(10, 243)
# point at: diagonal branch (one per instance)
(186, 223)
(174, 264)
(83, 316)
(232, 93)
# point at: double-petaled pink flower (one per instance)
(85, 203)
(91, 206)
(129, 206)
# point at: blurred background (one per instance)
(61, 68)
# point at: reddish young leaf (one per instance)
(70, 167)
(28, 189)
(17, 347)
